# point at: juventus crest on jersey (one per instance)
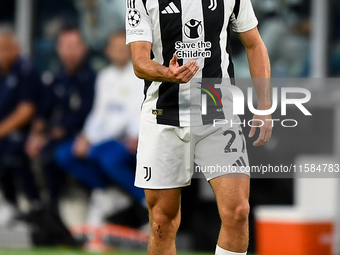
(194, 30)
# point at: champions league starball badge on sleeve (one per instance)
(134, 17)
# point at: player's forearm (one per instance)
(259, 67)
(148, 69)
(17, 119)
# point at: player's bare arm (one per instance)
(259, 67)
(147, 69)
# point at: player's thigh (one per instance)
(232, 193)
(221, 151)
(163, 204)
(163, 156)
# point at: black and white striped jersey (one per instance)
(194, 30)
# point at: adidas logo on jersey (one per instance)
(170, 9)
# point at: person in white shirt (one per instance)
(104, 152)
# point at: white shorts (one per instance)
(167, 156)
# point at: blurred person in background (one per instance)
(20, 87)
(285, 32)
(104, 152)
(66, 101)
(99, 19)
(49, 19)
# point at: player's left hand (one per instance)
(265, 124)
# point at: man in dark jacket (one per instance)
(20, 88)
(66, 101)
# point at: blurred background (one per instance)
(69, 110)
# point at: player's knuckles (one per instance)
(261, 142)
(261, 139)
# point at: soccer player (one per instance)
(171, 43)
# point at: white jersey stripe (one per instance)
(173, 7)
(196, 13)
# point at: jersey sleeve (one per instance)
(138, 22)
(243, 17)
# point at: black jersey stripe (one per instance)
(212, 71)
(146, 10)
(148, 83)
(213, 24)
(144, 3)
(236, 10)
(133, 3)
(168, 93)
(231, 70)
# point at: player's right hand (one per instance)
(181, 74)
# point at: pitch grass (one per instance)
(61, 251)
